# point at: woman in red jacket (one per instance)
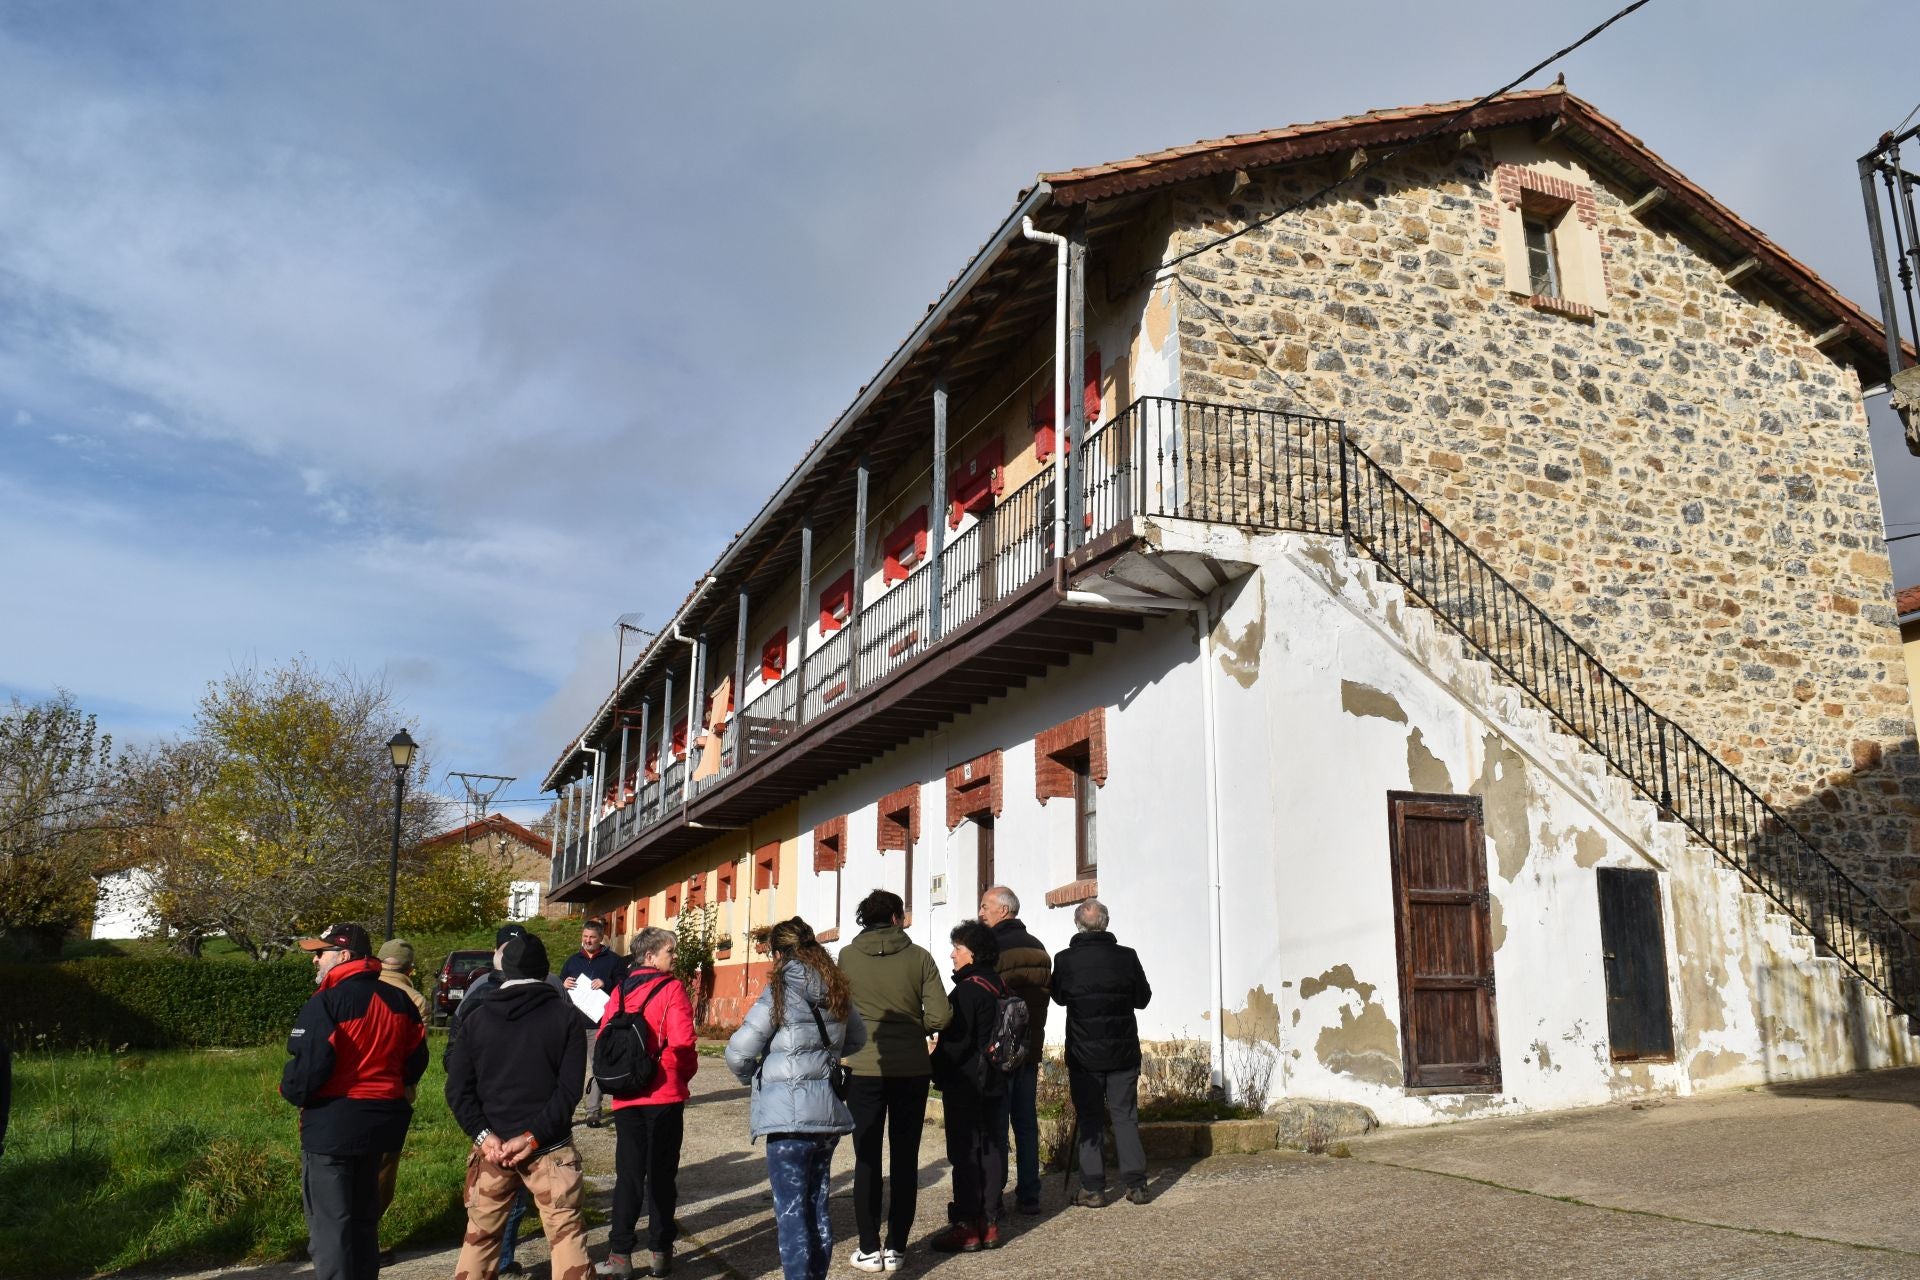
(648, 1127)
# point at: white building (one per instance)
(1379, 828)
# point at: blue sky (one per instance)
(426, 340)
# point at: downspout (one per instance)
(693, 686)
(593, 799)
(1216, 977)
(1059, 382)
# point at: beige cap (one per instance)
(396, 953)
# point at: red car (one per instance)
(456, 975)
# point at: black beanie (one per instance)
(525, 956)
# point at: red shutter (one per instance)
(766, 866)
(905, 547)
(653, 763)
(836, 602)
(680, 739)
(972, 486)
(773, 657)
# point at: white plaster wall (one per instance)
(1331, 691)
(124, 908)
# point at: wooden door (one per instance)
(1448, 1031)
(1633, 944)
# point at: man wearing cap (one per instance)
(356, 1052)
(396, 970)
(513, 1079)
(482, 983)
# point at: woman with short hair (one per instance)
(970, 1089)
(649, 1126)
(786, 1051)
(897, 988)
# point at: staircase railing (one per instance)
(1286, 471)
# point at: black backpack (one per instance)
(624, 1064)
(1007, 1051)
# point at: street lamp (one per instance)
(401, 747)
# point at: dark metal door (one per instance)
(1448, 1028)
(1633, 944)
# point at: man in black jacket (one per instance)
(513, 1079)
(355, 1053)
(1101, 984)
(1027, 969)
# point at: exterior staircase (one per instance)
(1278, 471)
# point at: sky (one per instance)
(425, 340)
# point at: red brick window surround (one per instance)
(974, 789)
(830, 845)
(1074, 893)
(1057, 750)
(697, 890)
(766, 866)
(673, 901)
(641, 911)
(723, 878)
(899, 818)
(1546, 205)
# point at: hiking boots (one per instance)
(1086, 1199)
(1136, 1195)
(961, 1237)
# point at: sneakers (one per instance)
(618, 1266)
(894, 1259)
(869, 1262)
(1088, 1199)
(1137, 1195)
(662, 1260)
(961, 1237)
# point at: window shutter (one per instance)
(773, 656)
(905, 547)
(836, 602)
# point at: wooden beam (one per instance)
(1647, 200)
(1744, 267)
(1833, 335)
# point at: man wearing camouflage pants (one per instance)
(513, 1079)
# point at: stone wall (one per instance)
(1667, 465)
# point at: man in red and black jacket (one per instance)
(355, 1054)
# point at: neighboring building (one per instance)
(1335, 774)
(124, 905)
(527, 854)
(1907, 606)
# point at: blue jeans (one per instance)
(511, 1239)
(1017, 1104)
(798, 1169)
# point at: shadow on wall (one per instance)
(1866, 820)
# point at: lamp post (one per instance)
(401, 747)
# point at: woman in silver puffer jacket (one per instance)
(786, 1052)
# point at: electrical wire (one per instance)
(1374, 163)
(1910, 115)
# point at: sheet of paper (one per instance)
(588, 1001)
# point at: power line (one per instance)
(1408, 145)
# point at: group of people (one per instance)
(827, 1050)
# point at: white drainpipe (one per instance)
(1216, 976)
(1060, 374)
(593, 800)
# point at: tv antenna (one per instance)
(624, 623)
(481, 789)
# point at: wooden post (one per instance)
(801, 622)
(861, 474)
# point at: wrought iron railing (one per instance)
(1266, 469)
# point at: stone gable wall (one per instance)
(1678, 477)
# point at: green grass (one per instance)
(188, 1158)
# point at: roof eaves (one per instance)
(1030, 202)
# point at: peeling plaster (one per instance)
(1363, 700)
(1717, 1062)
(1426, 771)
(1240, 655)
(1366, 1047)
(1159, 317)
(1544, 1055)
(1338, 978)
(1497, 917)
(1589, 847)
(1259, 1020)
(1503, 786)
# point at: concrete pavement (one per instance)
(1809, 1180)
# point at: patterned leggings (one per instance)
(798, 1168)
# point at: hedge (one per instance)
(151, 1003)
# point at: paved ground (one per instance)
(1802, 1181)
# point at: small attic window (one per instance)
(1543, 267)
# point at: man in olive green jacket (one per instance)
(901, 997)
